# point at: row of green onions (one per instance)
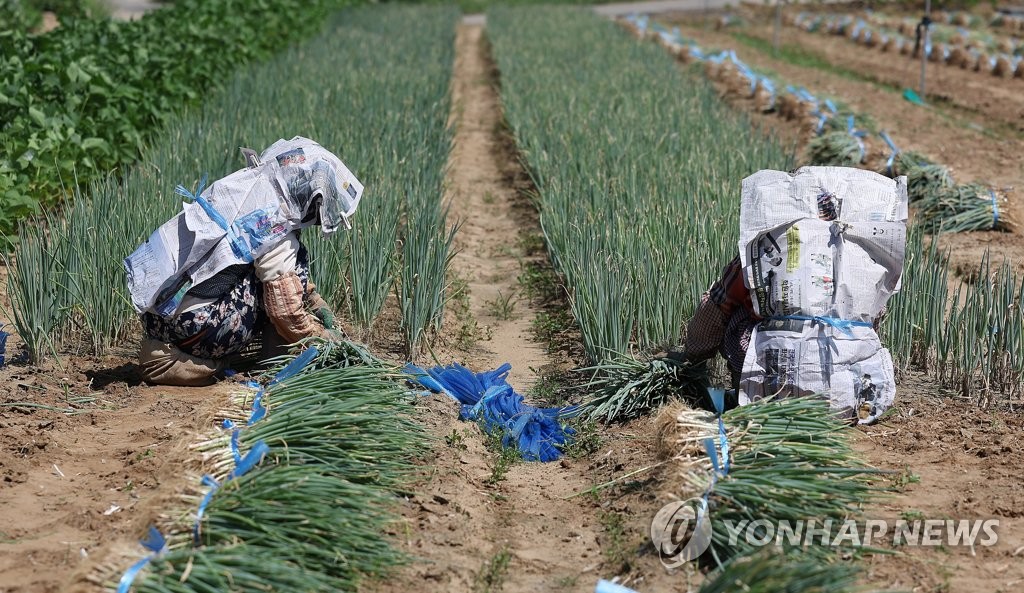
(638, 168)
(376, 95)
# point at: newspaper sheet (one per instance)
(825, 245)
(799, 358)
(258, 206)
(189, 248)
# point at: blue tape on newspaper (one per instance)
(843, 325)
(238, 246)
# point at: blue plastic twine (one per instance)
(295, 366)
(892, 155)
(995, 216)
(259, 449)
(251, 460)
(155, 543)
(857, 134)
(843, 325)
(238, 246)
(719, 461)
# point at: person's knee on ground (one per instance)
(165, 364)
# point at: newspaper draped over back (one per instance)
(239, 218)
(822, 251)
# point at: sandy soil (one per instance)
(949, 136)
(958, 462)
(80, 482)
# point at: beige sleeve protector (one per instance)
(283, 299)
(283, 296)
(165, 364)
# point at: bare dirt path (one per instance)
(490, 241)
(973, 152)
(477, 522)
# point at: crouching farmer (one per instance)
(231, 267)
(797, 312)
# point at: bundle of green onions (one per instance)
(789, 461)
(924, 178)
(335, 353)
(239, 567)
(626, 389)
(967, 207)
(339, 442)
(771, 572)
(317, 519)
(836, 149)
(355, 422)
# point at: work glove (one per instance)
(318, 306)
(284, 300)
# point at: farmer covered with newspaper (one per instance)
(797, 312)
(230, 266)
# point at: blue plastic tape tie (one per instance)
(488, 398)
(709, 448)
(258, 410)
(251, 460)
(718, 400)
(155, 543)
(295, 366)
(843, 325)
(238, 246)
(229, 425)
(995, 214)
(857, 134)
(893, 151)
(214, 486)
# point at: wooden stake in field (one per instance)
(926, 38)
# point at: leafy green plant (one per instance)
(503, 306)
(83, 99)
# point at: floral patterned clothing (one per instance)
(225, 326)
